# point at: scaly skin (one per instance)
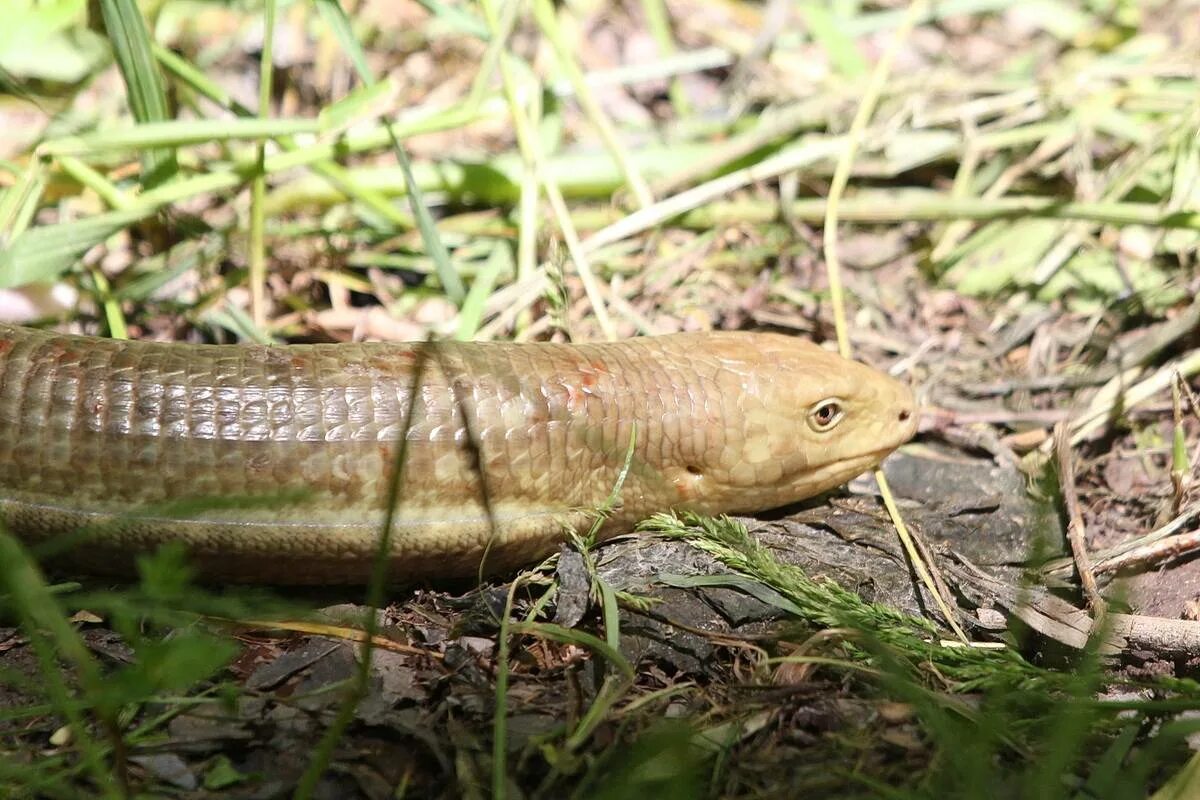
(272, 464)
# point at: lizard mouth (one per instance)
(836, 473)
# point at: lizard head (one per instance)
(799, 420)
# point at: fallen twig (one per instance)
(1076, 531)
(1057, 619)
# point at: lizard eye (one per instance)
(825, 415)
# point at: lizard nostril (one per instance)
(904, 415)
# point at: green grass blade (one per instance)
(335, 16)
(258, 187)
(471, 314)
(365, 101)
(53, 638)
(19, 203)
(546, 15)
(659, 23)
(334, 117)
(456, 18)
(757, 590)
(42, 254)
(827, 30)
(237, 322)
(1183, 784)
(117, 328)
(549, 630)
(90, 178)
(147, 98)
(178, 133)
